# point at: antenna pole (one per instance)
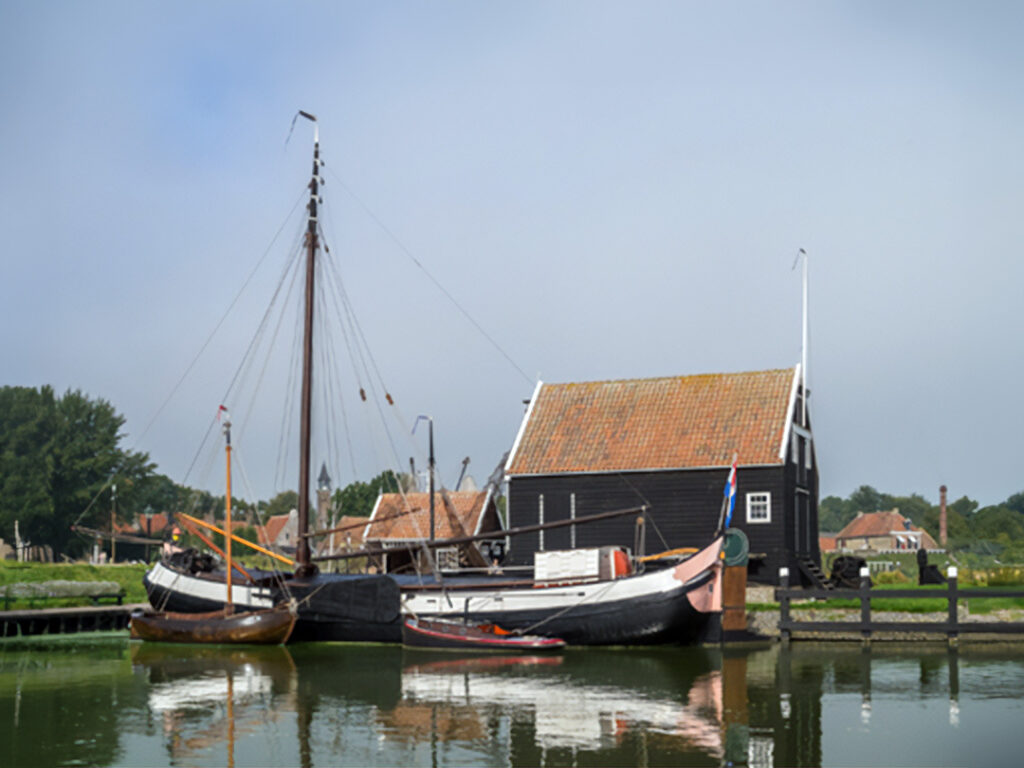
(803, 349)
(303, 565)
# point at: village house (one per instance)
(280, 532)
(401, 521)
(590, 447)
(883, 531)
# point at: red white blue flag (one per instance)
(730, 491)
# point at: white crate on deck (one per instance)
(567, 565)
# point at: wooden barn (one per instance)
(591, 447)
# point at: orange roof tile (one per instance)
(269, 532)
(387, 522)
(667, 423)
(353, 536)
(873, 524)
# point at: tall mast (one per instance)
(303, 565)
(229, 606)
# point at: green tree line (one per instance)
(997, 529)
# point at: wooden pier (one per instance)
(60, 621)
(866, 627)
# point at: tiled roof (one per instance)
(873, 524)
(469, 505)
(157, 524)
(353, 536)
(272, 529)
(667, 423)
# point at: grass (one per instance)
(129, 576)
(938, 604)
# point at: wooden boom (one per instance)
(239, 539)
(481, 536)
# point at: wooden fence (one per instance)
(952, 627)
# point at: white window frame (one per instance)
(758, 498)
(540, 519)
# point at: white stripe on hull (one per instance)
(205, 589)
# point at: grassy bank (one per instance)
(128, 576)
(938, 604)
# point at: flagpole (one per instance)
(803, 350)
(728, 498)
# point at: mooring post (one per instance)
(865, 605)
(784, 632)
(953, 630)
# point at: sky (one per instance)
(603, 190)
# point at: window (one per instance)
(759, 507)
(572, 515)
(540, 519)
(448, 558)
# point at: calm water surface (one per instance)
(111, 702)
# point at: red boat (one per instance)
(454, 635)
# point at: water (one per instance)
(111, 702)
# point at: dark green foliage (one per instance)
(281, 504)
(358, 498)
(56, 457)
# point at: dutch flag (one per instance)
(730, 491)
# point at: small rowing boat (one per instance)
(457, 635)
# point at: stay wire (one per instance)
(432, 279)
(195, 360)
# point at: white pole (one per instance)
(803, 354)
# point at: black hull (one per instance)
(329, 610)
(656, 620)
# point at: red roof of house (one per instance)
(827, 543)
(669, 423)
(873, 524)
(353, 535)
(157, 523)
(387, 522)
(269, 532)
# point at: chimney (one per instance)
(942, 516)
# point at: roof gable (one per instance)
(398, 518)
(652, 424)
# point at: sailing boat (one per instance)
(674, 598)
(270, 626)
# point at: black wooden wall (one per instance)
(684, 511)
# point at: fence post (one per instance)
(865, 605)
(952, 631)
(784, 632)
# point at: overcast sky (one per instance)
(610, 190)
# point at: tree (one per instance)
(357, 498)
(56, 456)
(867, 499)
(281, 504)
(834, 514)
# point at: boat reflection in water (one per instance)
(559, 707)
(207, 697)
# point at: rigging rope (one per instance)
(432, 279)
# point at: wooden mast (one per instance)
(229, 605)
(304, 566)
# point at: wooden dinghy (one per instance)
(269, 627)
(456, 635)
